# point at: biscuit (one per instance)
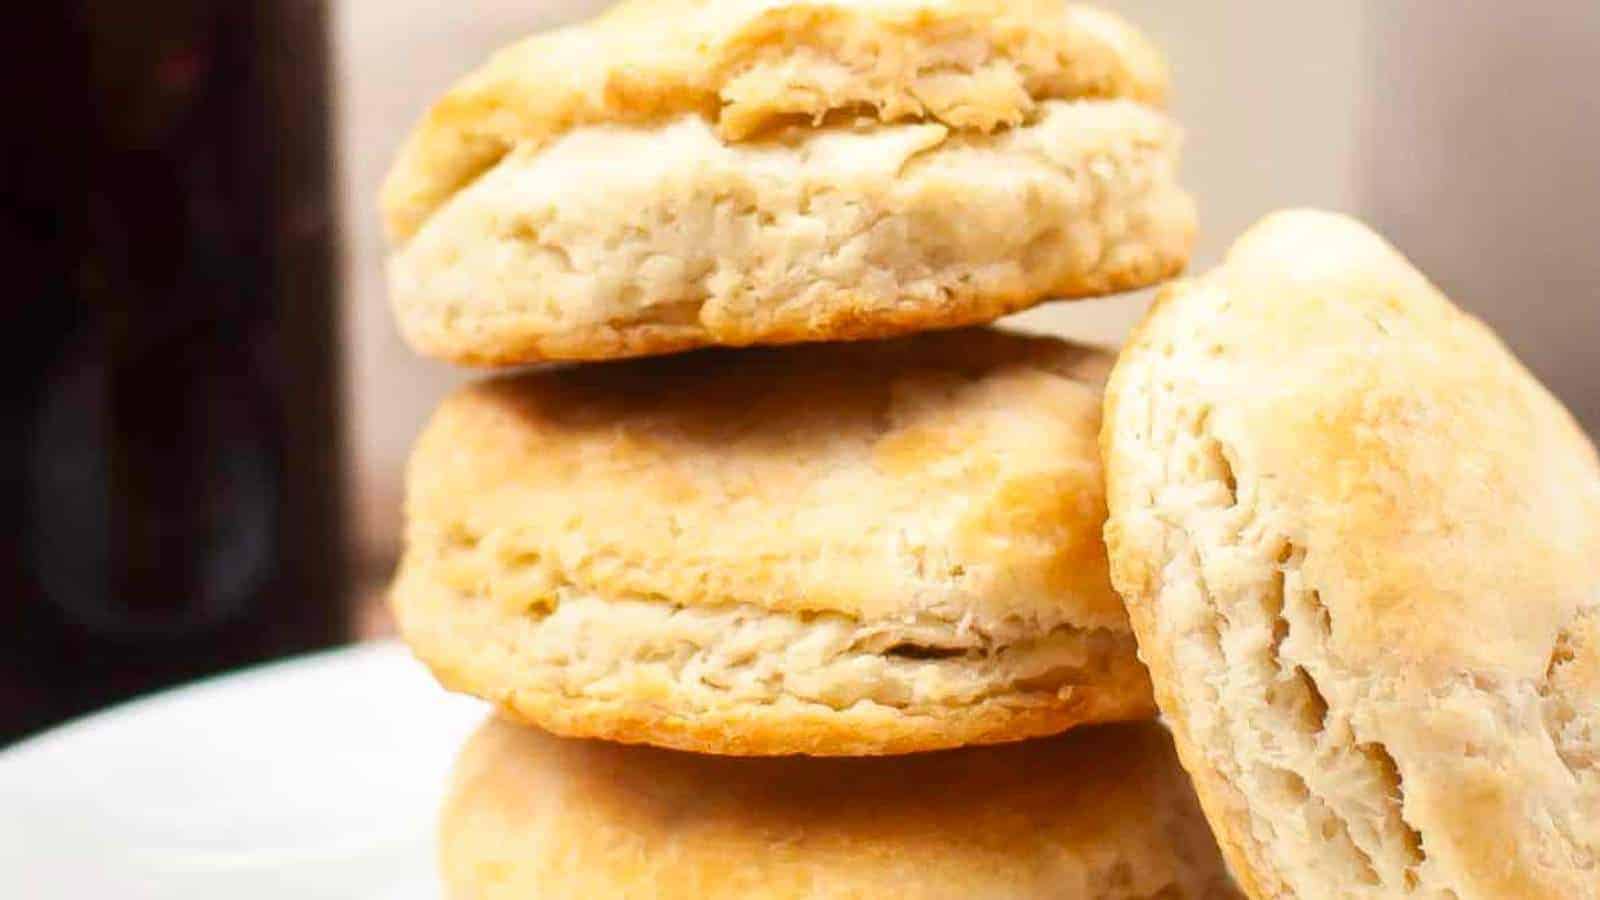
(1360, 546)
(841, 549)
(1100, 813)
(677, 175)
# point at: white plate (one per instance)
(313, 778)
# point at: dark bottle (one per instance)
(171, 463)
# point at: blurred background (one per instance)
(212, 410)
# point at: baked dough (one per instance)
(1100, 814)
(1360, 546)
(839, 549)
(676, 175)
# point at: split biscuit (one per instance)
(683, 174)
(841, 549)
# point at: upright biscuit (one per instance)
(1100, 814)
(840, 549)
(1361, 548)
(681, 174)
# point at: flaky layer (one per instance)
(1104, 814)
(620, 241)
(1358, 543)
(747, 681)
(747, 64)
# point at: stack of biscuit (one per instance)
(771, 498)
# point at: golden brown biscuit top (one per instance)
(1448, 507)
(1103, 812)
(950, 476)
(968, 64)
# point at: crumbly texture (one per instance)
(837, 549)
(746, 681)
(1360, 546)
(1101, 814)
(746, 64)
(623, 240)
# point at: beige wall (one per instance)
(1481, 159)
(1270, 122)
